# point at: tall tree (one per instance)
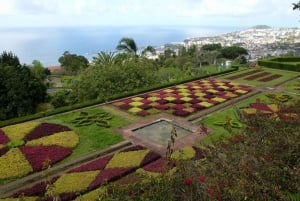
(296, 6)
(105, 59)
(73, 63)
(233, 52)
(20, 90)
(127, 45)
(39, 70)
(149, 49)
(9, 59)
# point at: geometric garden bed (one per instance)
(29, 147)
(87, 178)
(183, 99)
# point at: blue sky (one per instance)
(35, 13)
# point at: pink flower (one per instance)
(188, 181)
(201, 179)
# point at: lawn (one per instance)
(92, 137)
(293, 86)
(255, 80)
(229, 113)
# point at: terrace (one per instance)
(76, 135)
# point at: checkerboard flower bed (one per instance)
(179, 100)
(94, 174)
(25, 151)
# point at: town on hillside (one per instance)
(261, 41)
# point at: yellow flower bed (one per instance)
(2, 146)
(93, 195)
(184, 154)
(205, 104)
(127, 159)
(19, 131)
(67, 139)
(75, 182)
(14, 164)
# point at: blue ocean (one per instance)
(47, 44)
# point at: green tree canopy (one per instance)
(149, 49)
(127, 45)
(20, 90)
(233, 52)
(73, 63)
(296, 6)
(212, 47)
(9, 59)
(39, 70)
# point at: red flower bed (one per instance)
(270, 78)
(109, 175)
(259, 75)
(261, 106)
(45, 129)
(3, 138)
(159, 166)
(38, 155)
(98, 164)
(243, 74)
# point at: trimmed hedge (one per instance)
(284, 63)
(102, 100)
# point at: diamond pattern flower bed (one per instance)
(26, 147)
(94, 174)
(184, 99)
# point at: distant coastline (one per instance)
(47, 44)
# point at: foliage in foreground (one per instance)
(260, 163)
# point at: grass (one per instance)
(285, 75)
(218, 131)
(92, 137)
(291, 86)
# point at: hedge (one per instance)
(284, 63)
(102, 100)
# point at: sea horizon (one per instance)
(47, 44)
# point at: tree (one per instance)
(39, 70)
(20, 90)
(127, 45)
(212, 47)
(9, 59)
(296, 6)
(233, 52)
(104, 59)
(73, 63)
(149, 49)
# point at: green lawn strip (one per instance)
(291, 86)
(219, 131)
(92, 137)
(285, 75)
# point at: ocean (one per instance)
(47, 44)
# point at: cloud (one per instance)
(136, 12)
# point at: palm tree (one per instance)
(149, 49)
(127, 45)
(104, 59)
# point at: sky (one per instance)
(45, 13)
